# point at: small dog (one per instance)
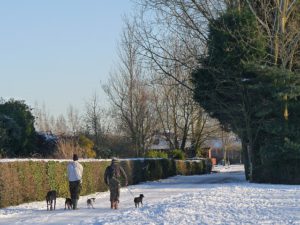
(51, 200)
(68, 203)
(138, 200)
(90, 202)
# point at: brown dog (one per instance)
(90, 202)
(68, 203)
(51, 199)
(138, 200)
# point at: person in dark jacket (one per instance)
(75, 171)
(112, 177)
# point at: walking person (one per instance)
(112, 177)
(75, 171)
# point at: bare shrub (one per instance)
(66, 148)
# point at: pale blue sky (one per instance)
(57, 52)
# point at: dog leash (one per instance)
(129, 191)
(96, 195)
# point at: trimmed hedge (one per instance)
(26, 181)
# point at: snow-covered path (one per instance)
(220, 198)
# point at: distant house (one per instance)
(212, 148)
(233, 151)
(161, 143)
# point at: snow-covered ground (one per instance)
(218, 198)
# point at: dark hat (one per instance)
(75, 157)
(114, 160)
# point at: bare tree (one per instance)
(43, 120)
(180, 117)
(183, 23)
(172, 106)
(172, 36)
(203, 129)
(129, 94)
(94, 118)
(60, 125)
(74, 121)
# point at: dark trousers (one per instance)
(75, 188)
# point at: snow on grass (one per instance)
(219, 198)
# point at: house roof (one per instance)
(163, 144)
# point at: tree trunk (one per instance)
(246, 159)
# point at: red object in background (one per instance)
(213, 161)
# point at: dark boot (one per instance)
(74, 201)
(111, 204)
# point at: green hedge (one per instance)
(26, 181)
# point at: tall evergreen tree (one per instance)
(17, 125)
(234, 85)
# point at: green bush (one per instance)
(156, 154)
(177, 154)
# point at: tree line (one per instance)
(98, 132)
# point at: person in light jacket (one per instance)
(75, 171)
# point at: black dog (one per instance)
(138, 200)
(90, 202)
(68, 203)
(51, 199)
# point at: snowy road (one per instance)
(219, 198)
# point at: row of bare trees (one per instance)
(91, 121)
(81, 133)
(145, 101)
